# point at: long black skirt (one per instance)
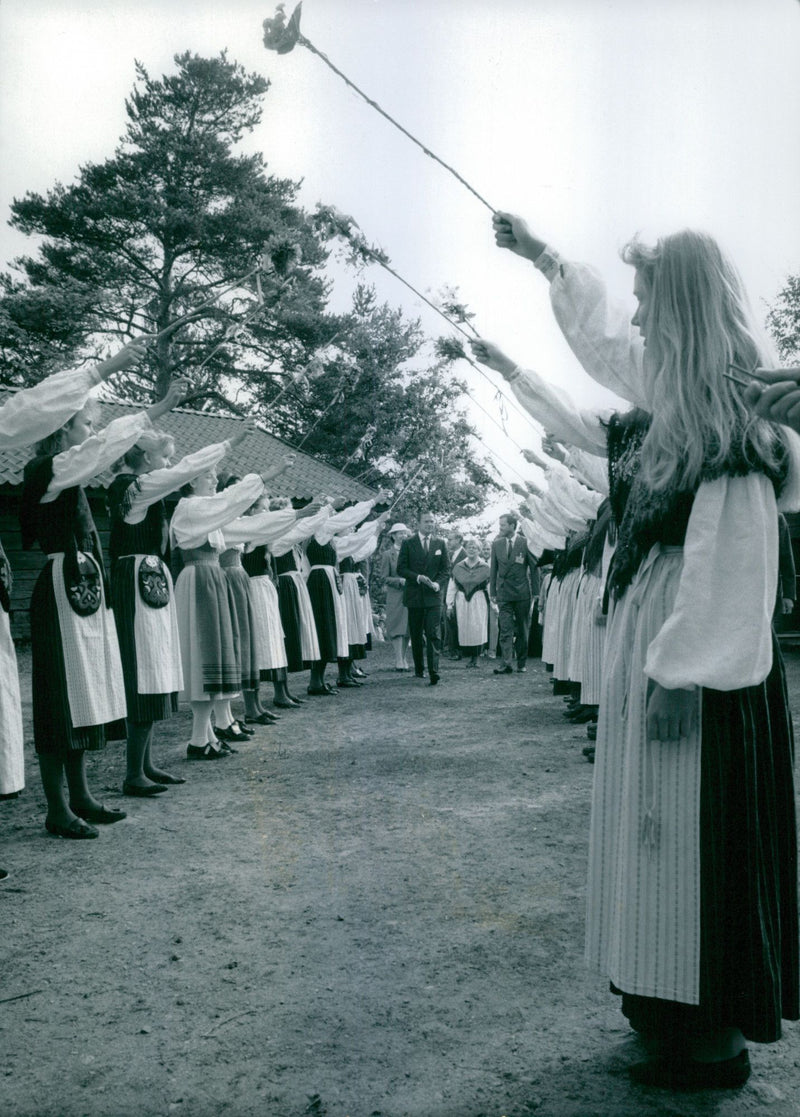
(53, 731)
(124, 591)
(321, 595)
(290, 619)
(749, 952)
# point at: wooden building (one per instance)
(309, 478)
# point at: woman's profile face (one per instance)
(205, 484)
(156, 459)
(79, 428)
(642, 294)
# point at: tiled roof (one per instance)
(193, 429)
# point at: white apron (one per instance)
(643, 896)
(95, 686)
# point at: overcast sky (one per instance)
(594, 119)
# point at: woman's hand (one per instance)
(492, 356)
(671, 714)
(176, 393)
(248, 427)
(779, 398)
(128, 355)
(510, 231)
(308, 510)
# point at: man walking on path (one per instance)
(424, 564)
(514, 579)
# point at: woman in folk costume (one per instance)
(77, 682)
(207, 620)
(27, 417)
(396, 623)
(297, 616)
(143, 594)
(349, 548)
(692, 898)
(327, 603)
(466, 593)
(227, 728)
(363, 566)
(257, 529)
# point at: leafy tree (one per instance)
(783, 320)
(140, 240)
(145, 241)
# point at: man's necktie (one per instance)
(425, 544)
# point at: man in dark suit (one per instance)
(424, 564)
(513, 580)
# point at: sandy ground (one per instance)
(374, 910)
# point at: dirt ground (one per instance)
(374, 910)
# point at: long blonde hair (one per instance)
(698, 322)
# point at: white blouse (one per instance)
(158, 483)
(200, 519)
(598, 329)
(300, 531)
(260, 528)
(591, 469)
(719, 634)
(558, 413)
(34, 413)
(80, 464)
(345, 520)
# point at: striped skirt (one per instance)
(12, 763)
(550, 627)
(593, 644)
(209, 633)
(567, 598)
(692, 894)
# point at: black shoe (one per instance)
(101, 815)
(264, 718)
(359, 674)
(434, 679)
(419, 674)
(581, 715)
(521, 668)
(503, 671)
(347, 684)
(76, 829)
(233, 733)
(283, 704)
(146, 792)
(689, 1074)
(203, 752)
(293, 698)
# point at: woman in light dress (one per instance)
(396, 613)
(467, 595)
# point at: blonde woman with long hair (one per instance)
(692, 895)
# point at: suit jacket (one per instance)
(513, 578)
(412, 561)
